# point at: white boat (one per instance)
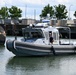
(35, 42)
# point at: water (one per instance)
(47, 65)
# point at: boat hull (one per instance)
(29, 49)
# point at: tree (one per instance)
(15, 12)
(60, 11)
(4, 12)
(75, 13)
(47, 10)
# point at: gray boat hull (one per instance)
(29, 49)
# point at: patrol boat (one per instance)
(35, 42)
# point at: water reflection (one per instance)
(30, 63)
(55, 65)
(3, 59)
(2, 50)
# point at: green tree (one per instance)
(47, 10)
(15, 12)
(75, 13)
(60, 11)
(4, 12)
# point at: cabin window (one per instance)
(57, 36)
(27, 35)
(36, 35)
(46, 35)
(33, 33)
(54, 36)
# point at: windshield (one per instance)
(36, 35)
(33, 33)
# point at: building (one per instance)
(28, 21)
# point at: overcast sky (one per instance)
(30, 8)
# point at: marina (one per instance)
(38, 37)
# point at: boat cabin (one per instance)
(40, 34)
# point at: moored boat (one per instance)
(35, 42)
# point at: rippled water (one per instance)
(47, 65)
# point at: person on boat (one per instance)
(60, 36)
(51, 41)
(51, 38)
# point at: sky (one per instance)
(32, 8)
